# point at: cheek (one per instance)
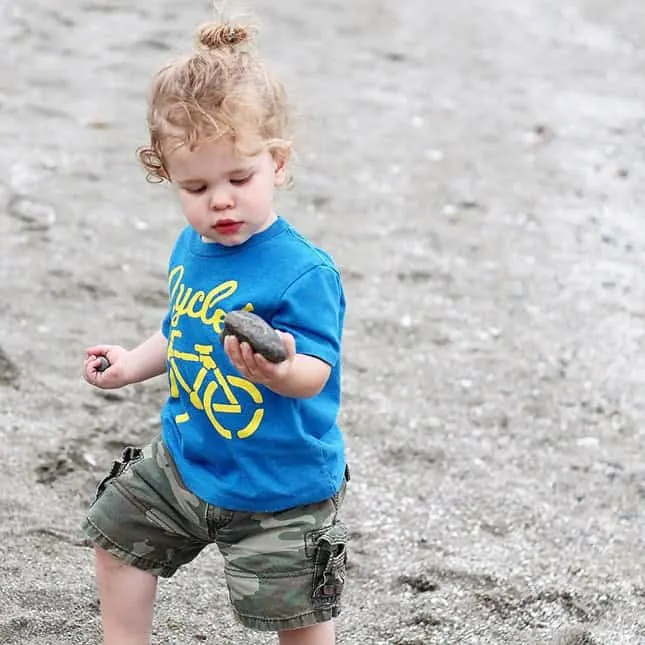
(188, 202)
(264, 188)
(182, 198)
(191, 207)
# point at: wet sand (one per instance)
(477, 171)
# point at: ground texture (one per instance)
(476, 169)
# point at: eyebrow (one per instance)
(184, 182)
(197, 180)
(242, 171)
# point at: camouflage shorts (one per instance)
(284, 570)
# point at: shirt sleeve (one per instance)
(179, 248)
(165, 325)
(312, 309)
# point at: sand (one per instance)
(476, 169)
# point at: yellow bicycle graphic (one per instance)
(204, 400)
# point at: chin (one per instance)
(232, 241)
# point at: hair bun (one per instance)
(218, 35)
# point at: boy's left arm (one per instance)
(299, 376)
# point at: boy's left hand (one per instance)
(254, 366)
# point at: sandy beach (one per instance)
(477, 171)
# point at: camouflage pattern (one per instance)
(284, 570)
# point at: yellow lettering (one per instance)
(198, 297)
(211, 314)
(184, 301)
(180, 306)
(174, 280)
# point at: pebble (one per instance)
(103, 364)
(8, 369)
(250, 328)
(36, 216)
(575, 636)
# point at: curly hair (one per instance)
(222, 88)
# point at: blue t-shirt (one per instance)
(239, 445)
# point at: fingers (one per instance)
(250, 364)
(98, 350)
(90, 370)
(241, 354)
(289, 342)
(94, 367)
(98, 363)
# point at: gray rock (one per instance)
(8, 369)
(250, 328)
(34, 215)
(575, 636)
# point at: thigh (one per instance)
(286, 570)
(143, 514)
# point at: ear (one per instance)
(280, 159)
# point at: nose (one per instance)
(221, 199)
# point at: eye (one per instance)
(195, 190)
(240, 181)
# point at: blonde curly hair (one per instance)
(222, 88)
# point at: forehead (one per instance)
(219, 156)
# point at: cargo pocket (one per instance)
(330, 565)
(129, 456)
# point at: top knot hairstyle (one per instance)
(215, 36)
(223, 88)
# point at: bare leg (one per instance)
(127, 600)
(321, 634)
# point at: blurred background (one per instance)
(476, 169)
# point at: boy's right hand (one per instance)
(116, 375)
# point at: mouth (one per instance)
(227, 227)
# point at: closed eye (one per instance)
(240, 181)
(194, 190)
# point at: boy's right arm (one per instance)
(126, 366)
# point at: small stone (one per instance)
(35, 216)
(396, 56)
(88, 459)
(420, 583)
(8, 369)
(575, 636)
(249, 328)
(434, 154)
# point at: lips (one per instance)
(228, 227)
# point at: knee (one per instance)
(320, 634)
